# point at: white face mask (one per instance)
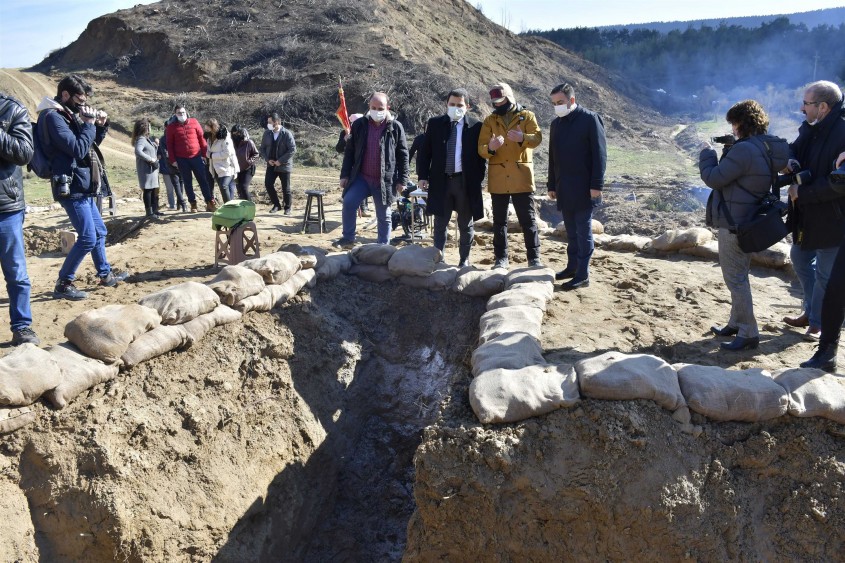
(378, 115)
(456, 113)
(270, 127)
(562, 110)
(182, 118)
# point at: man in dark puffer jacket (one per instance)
(15, 151)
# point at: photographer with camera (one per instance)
(816, 211)
(71, 130)
(740, 181)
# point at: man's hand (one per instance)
(516, 135)
(496, 141)
(840, 159)
(423, 185)
(792, 192)
(398, 188)
(101, 118)
(552, 194)
(595, 194)
(87, 114)
(343, 182)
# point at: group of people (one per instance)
(455, 154)
(744, 175)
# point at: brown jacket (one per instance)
(511, 168)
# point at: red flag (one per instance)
(341, 112)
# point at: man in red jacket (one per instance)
(186, 147)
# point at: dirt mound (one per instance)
(38, 240)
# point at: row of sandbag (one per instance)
(125, 335)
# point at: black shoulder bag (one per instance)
(766, 226)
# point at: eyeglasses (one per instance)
(806, 103)
(80, 98)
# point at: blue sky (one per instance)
(33, 28)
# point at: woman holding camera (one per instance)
(146, 164)
(222, 160)
(740, 180)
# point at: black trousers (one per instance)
(269, 185)
(456, 199)
(243, 180)
(523, 204)
(833, 305)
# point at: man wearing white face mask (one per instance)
(186, 147)
(277, 149)
(577, 161)
(450, 169)
(375, 163)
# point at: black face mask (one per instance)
(502, 110)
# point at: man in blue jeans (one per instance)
(15, 151)
(70, 129)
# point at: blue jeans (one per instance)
(356, 193)
(227, 187)
(579, 235)
(813, 269)
(197, 166)
(13, 263)
(90, 237)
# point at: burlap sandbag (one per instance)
(182, 302)
(261, 302)
(276, 268)
(234, 283)
(414, 260)
(15, 419)
(624, 377)
(26, 373)
(443, 277)
(333, 265)
(154, 343)
(504, 395)
(372, 254)
(627, 243)
(748, 395)
(510, 319)
(525, 294)
(308, 261)
(546, 290)
(281, 293)
(595, 226)
(479, 283)
(776, 256)
(371, 272)
(197, 328)
(529, 275)
(813, 392)
(677, 239)
(508, 351)
(79, 373)
(709, 251)
(107, 332)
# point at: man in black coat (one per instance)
(577, 161)
(450, 169)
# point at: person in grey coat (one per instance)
(740, 181)
(277, 149)
(146, 165)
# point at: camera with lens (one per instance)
(801, 177)
(724, 139)
(61, 185)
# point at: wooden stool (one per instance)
(233, 246)
(320, 219)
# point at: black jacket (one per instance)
(742, 178)
(285, 148)
(818, 219)
(15, 151)
(577, 158)
(416, 145)
(431, 163)
(394, 156)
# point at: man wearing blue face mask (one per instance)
(450, 169)
(577, 161)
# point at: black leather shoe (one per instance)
(726, 331)
(575, 284)
(565, 274)
(824, 358)
(741, 343)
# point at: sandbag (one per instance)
(677, 239)
(182, 302)
(618, 376)
(529, 275)
(276, 268)
(443, 277)
(26, 373)
(627, 243)
(479, 283)
(293, 286)
(197, 328)
(508, 351)
(709, 251)
(776, 256)
(309, 256)
(414, 260)
(372, 254)
(79, 373)
(504, 395)
(595, 226)
(748, 395)
(261, 302)
(307, 261)
(813, 392)
(524, 294)
(370, 272)
(156, 342)
(15, 418)
(333, 265)
(234, 283)
(510, 319)
(107, 332)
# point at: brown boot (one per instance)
(211, 206)
(193, 207)
(800, 321)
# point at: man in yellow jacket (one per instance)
(508, 138)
